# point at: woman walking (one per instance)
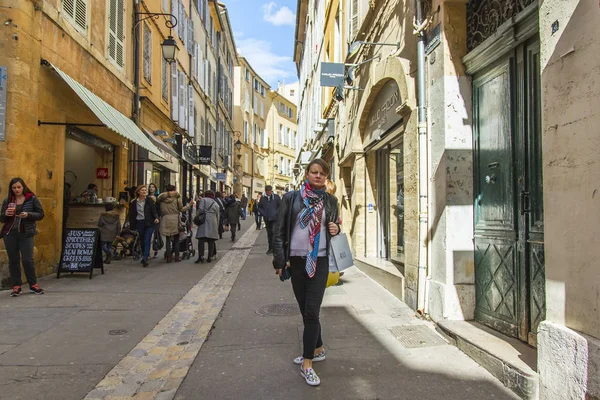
(306, 222)
(19, 213)
(153, 191)
(170, 205)
(233, 213)
(208, 231)
(257, 216)
(143, 217)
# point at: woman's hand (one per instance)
(23, 215)
(333, 229)
(279, 271)
(156, 221)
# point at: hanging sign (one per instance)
(332, 74)
(204, 157)
(81, 252)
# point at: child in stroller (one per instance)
(127, 243)
(186, 244)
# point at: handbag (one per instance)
(342, 256)
(200, 217)
(158, 242)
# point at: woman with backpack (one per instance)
(207, 219)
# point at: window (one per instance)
(245, 131)
(183, 101)
(245, 161)
(174, 92)
(262, 110)
(290, 112)
(165, 80)
(76, 12)
(165, 5)
(255, 134)
(147, 54)
(354, 19)
(116, 26)
(247, 74)
(292, 92)
(294, 139)
(281, 166)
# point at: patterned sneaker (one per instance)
(318, 357)
(36, 289)
(310, 376)
(16, 291)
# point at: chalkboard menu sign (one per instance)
(81, 252)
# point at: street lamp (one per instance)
(238, 145)
(355, 47)
(169, 49)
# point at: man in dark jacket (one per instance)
(268, 207)
(244, 205)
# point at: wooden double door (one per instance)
(508, 204)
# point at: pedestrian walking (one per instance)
(268, 207)
(306, 222)
(110, 226)
(19, 213)
(143, 217)
(244, 205)
(219, 198)
(153, 191)
(257, 216)
(170, 206)
(232, 214)
(251, 206)
(208, 231)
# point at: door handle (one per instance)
(524, 203)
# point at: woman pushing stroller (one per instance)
(171, 205)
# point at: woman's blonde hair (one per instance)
(137, 190)
(330, 187)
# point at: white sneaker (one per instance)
(318, 357)
(310, 376)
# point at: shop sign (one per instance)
(370, 208)
(221, 176)
(3, 88)
(383, 114)
(101, 173)
(81, 252)
(204, 158)
(332, 74)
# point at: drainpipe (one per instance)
(423, 173)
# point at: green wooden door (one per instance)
(507, 176)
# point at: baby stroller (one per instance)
(127, 244)
(186, 242)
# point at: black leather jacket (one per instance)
(291, 206)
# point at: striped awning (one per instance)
(113, 119)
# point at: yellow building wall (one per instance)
(35, 92)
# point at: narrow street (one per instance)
(225, 330)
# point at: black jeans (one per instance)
(270, 228)
(20, 248)
(309, 294)
(212, 247)
(233, 228)
(173, 241)
(258, 219)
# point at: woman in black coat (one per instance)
(143, 217)
(19, 213)
(306, 221)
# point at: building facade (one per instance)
(451, 170)
(283, 136)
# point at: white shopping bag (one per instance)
(340, 256)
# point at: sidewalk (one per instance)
(203, 331)
(249, 355)
(61, 344)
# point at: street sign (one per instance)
(332, 74)
(3, 90)
(81, 251)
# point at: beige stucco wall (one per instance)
(36, 92)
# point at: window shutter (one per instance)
(190, 36)
(165, 80)
(174, 92)
(183, 107)
(120, 33)
(147, 53)
(200, 67)
(191, 125)
(354, 18)
(195, 61)
(81, 14)
(69, 8)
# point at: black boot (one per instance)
(199, 260)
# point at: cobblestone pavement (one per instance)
(155, 368)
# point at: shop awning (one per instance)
(109, 116)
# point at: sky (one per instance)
(264, 34)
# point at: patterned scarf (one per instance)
(311, 216)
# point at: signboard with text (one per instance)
(332, 74)
(204, 156)
(101, 173)
(81, 251)
(383, 115)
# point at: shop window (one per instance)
(147, 54)
(75, 11)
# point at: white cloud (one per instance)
(270, 66)
(283, 16)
